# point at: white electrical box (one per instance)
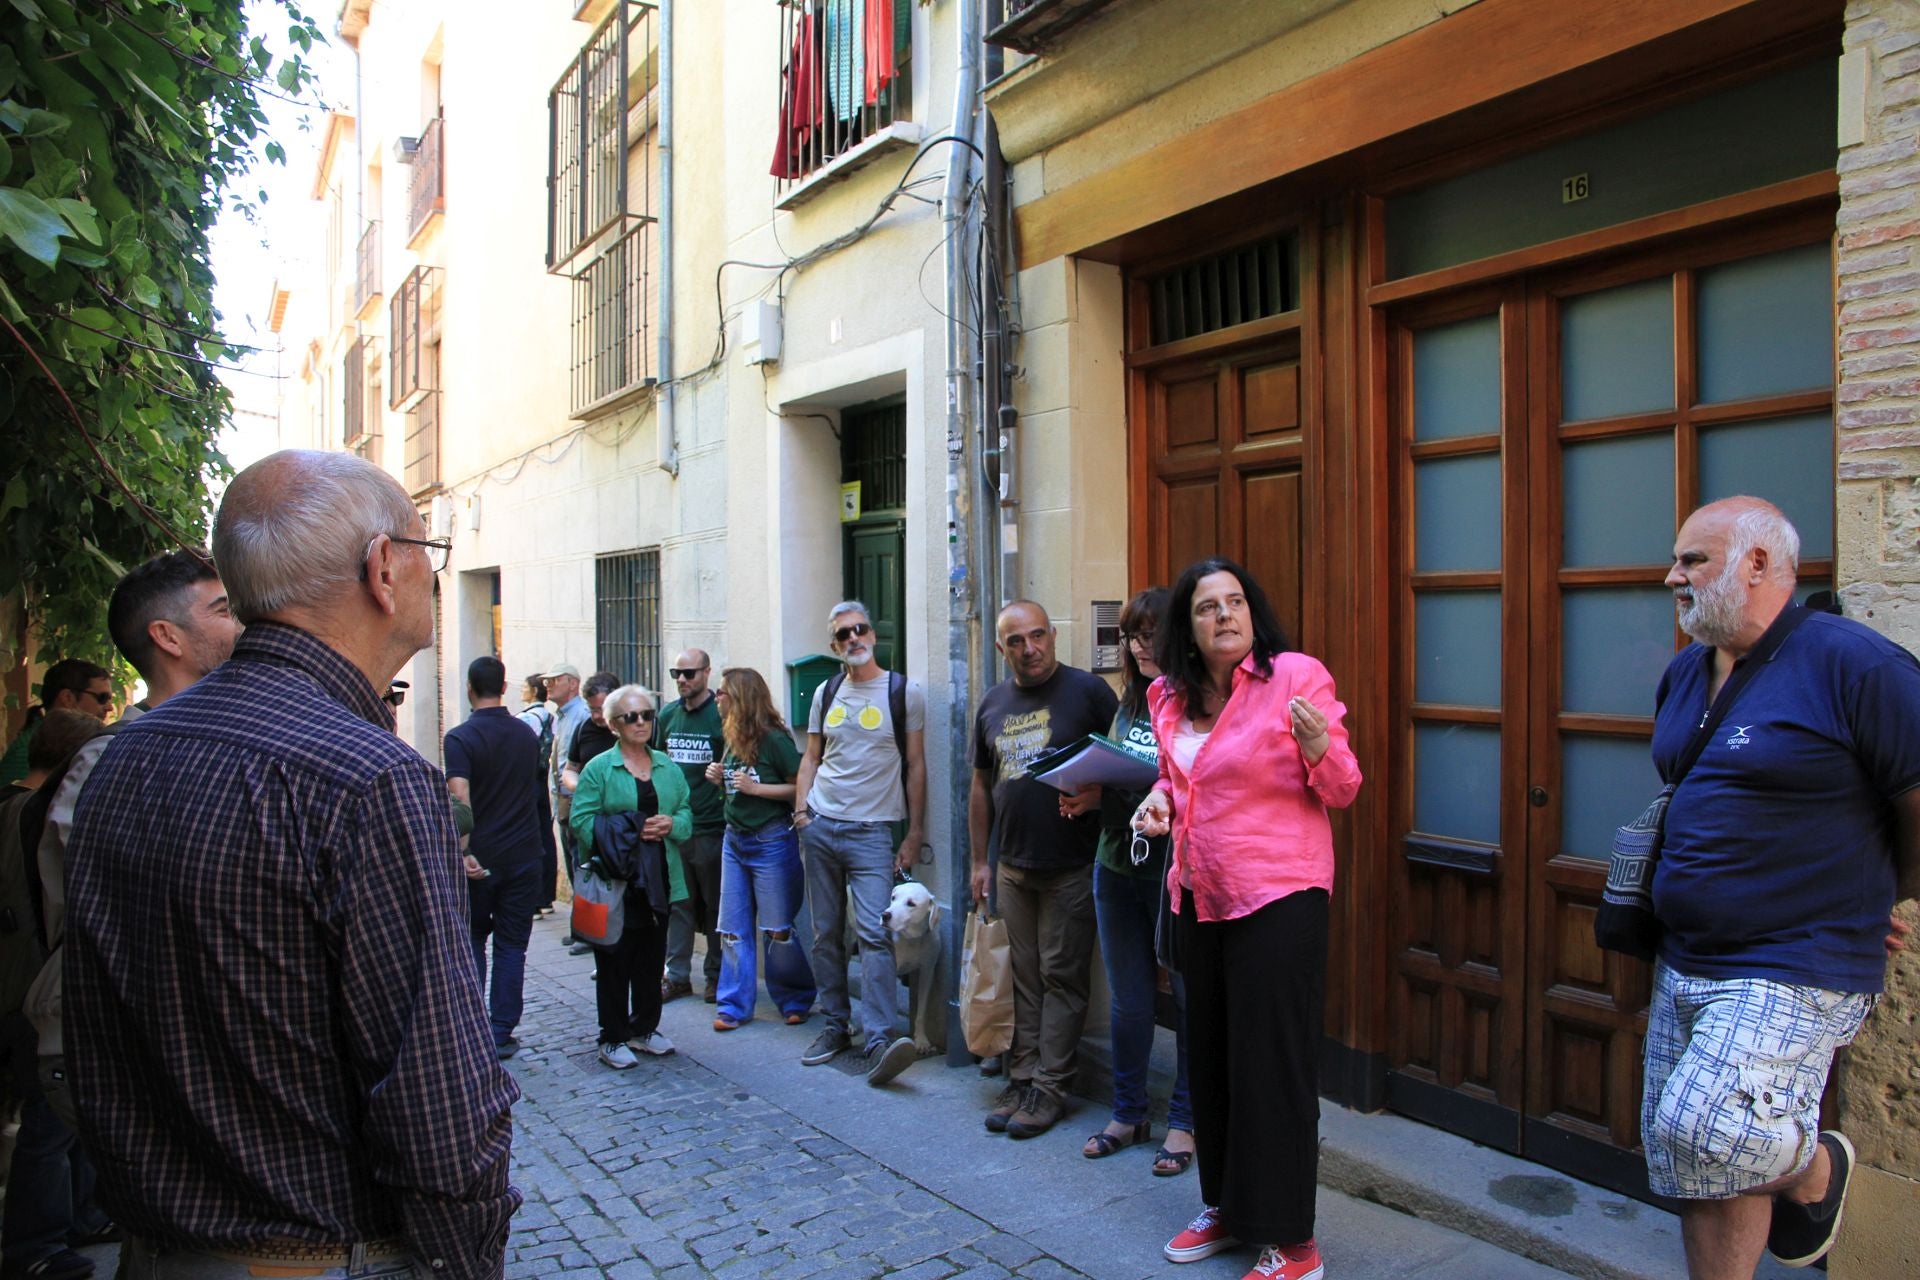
(760, 332)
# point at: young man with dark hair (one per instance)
(170, 618)
(493, 766)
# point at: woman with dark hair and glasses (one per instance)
(1128, 872)
(1252, 753)
(762, 887)
(632, 778)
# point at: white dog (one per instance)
(912, 920)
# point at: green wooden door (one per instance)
(876, 572)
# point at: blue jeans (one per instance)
(503, 904)
(857, 857)
(761, 886)
(39, 1211)
(1126, 908)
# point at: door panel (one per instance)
(877, 575)
(1224, 448)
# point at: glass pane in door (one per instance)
(1615, 642)
(1618, 500)
(1787, 461)
(1766, 325)
(1456, 379)
(1616, 351)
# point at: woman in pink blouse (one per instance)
(1252, 752)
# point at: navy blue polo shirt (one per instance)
(499, 755)
(1778, 856)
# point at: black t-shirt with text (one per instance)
(1015, 726)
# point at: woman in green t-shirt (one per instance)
(1128, 887)
(761, 884)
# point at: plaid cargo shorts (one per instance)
(1735, 1070)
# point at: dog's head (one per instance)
(911, 912)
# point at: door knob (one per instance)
(1538, 797)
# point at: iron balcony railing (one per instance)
(1034, 26)
(366, 273)
(589, 192)
(423, 445)
(845, 76)
(427, 195)
(413, 329)
(610, 329)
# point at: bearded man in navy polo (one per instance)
(1778, 866)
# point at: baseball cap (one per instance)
(563, 669)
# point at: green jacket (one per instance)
(607, 787)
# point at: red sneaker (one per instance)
(1288, 1262)
(1205, 1236)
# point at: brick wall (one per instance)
(1878, 265)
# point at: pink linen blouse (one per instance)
(1250, 817)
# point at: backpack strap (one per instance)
(897, 707)
(827, 695)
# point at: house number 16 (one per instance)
(1574, 188)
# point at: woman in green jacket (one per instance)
(631, 777)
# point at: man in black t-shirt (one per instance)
(1044, 843)
(493, 766)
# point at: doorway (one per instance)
(873, 456)
(1549, 433)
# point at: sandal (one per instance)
(1104, 1144)
(1171, 1164)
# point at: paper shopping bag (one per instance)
(986, 986)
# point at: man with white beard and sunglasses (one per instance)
(1779, 861)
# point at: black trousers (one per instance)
(626, 981)
(1256, 989)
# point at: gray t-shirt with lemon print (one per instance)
(860, 771)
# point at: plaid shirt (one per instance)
(273, 1028)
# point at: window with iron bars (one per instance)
(846, 74)
(353, 395)
(413, 327)
(626, 595)
(600, 160)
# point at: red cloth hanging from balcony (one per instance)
(878, 42)
(800, 102)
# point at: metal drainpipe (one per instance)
(663, 139)
(967, 506)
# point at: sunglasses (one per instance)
(104, 699)
(630, 717)
(843, 634)
(684, 673)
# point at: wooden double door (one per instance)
(1548, 433)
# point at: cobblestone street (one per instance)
(729, 1159)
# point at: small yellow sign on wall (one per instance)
(849, 502)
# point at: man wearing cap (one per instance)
(570, 711)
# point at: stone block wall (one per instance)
(1878, 568)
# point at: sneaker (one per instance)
(580, 949)
(1205, 1236)
(62, 1264)
(1288, 1262)
(1039, 1113)
(1802, 1233)
(618, 1056)
(670, 990)
(825, 1047)
(506, 1048)
(1011, 1099)
(653, 1044)
(885, 1061)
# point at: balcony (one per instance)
(841, 109)
(353, 394)
(427, 193)
(414, 332)
(423, 445)
(1033, 26)
(366, 274)
(610, 329)
(590, 135)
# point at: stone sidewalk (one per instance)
(729, 1159)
